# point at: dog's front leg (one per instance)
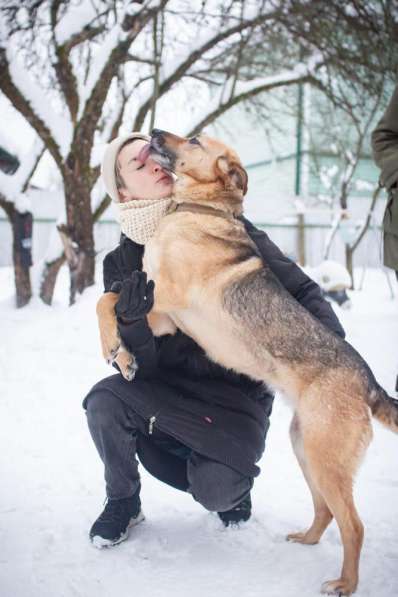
(109, 335)
(112, 347)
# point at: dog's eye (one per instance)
(194, 141)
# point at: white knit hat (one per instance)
(109, 162)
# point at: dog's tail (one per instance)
(384, 408)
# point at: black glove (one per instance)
(136, 297)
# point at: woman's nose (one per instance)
(154, 166)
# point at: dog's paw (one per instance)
(127, 364)
(339, 587)
(304, 538)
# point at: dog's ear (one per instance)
(238, 176)
(232, 174)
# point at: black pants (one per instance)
(120, 435)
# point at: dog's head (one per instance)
(206, 168)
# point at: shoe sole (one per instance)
(100, 542)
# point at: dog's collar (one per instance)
(204, 209)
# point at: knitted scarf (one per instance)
(139, 218)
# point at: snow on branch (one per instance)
(181, 64)
(295, 75)
(13, 187)
(77, 18)
(112, 54)
(58, 127)
(112, 40)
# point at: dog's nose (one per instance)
(159, 136)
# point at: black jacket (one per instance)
(238, 405)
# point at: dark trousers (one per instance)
(120, 435)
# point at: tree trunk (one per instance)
(23, 286)
(81, 263)
(22, 257)
(78, 235)
(49, 278)
(349, 263)
(21, 226)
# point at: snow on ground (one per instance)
(52, 489)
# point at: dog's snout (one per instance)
(158, 136)
(160, 150)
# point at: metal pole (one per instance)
(299, 137)
(297, 186)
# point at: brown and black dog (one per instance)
(211, 283)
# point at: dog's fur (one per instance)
(212, 285)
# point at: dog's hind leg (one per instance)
(337, 491)
(322, 516)
(332, 459)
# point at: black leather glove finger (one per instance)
(128, 298)
(145, 295)
(136, 297)
(141, 284)
(145, 291)
(116, 286)
(150, 288)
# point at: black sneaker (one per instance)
(113, 524)
(241, 513)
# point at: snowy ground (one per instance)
(51, 479)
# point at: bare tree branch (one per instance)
(8, 206)
(242, 97)
(133, 26)
(195, 55)
(133, 58)
(32, 170)
(87, 34)
(63, 67)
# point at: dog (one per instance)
(211, 283)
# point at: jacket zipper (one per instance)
(151, 424)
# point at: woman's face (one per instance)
(142, 179)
